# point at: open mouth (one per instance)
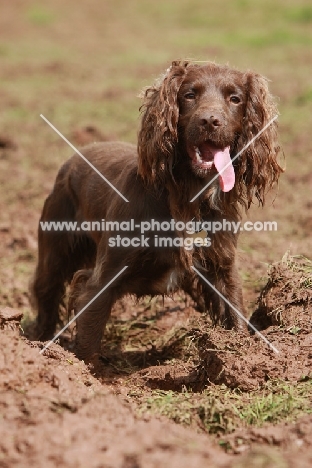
(208, 157)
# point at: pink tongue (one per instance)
(222, 159)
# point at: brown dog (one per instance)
(195, 119)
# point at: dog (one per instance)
(195, 119)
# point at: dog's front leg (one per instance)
(223, 297)
(232, 310)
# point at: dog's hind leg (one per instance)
(92, 321)
(95, 294)
(61, 253)
(77, 287)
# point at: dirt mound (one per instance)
(54, 412)
(10, 318)
(248, 363)
(286, 300)
(283, 435)
(168, 377)
(285, 310)
(163, 358)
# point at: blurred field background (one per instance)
(84, 63)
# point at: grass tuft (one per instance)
(219, 410)
(300, 14)
(39, 15)
(299, 264)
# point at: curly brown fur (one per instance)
(192, 116)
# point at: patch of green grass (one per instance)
(219, 410)
(3, 50)
(40, 15)
(262, 38)
(282, 402)
(299, 14)
(18, 113)
(305, 97)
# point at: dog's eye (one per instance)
(235, 99)
(190, 95)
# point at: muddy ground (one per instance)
(240, 402)
(170, 390)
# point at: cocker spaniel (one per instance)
(195, 119)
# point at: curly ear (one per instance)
(159, 133)
(258, 168)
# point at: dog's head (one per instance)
(202, 116)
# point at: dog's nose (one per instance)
(212, 119)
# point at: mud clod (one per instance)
(286, 299)
(10, 318)
(284, 317)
